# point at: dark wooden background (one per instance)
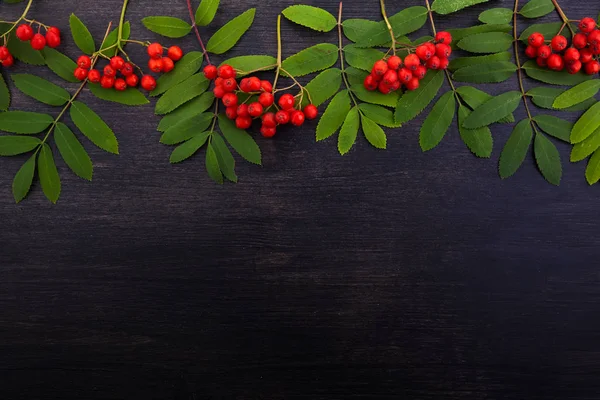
(378, 275)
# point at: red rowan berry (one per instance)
(555, 62)
(231, 112)
(127, 69)
(254, 84)
(544, 51)
(80, 73)
(266, 99)
(411, 61)
(395, 86)
(4, 53)
(443, 37)
(148, 82)
(120, 84)
(242, 110)
(226, 71)
(8, 61)
(574, 67)
(117, 63)
(219, 92)
(405, 75)
(592, 68)
(94, 76)
(595, 49)
(219, 82)
(282, 117)
(580, 40)
(243, 122)
(52, 39)
(155, 64)
(229, 85)
(433, 62)
(559, 43)
(210, 72)
(587, 25)
(230, 100)
(431, 47)
(394, 63)
(286, 102)
(571, 54)
(132, 80)
(443, 50)
(536, 39)
(594, 37)
(420, 72)
(243, 85)
(269, 120)
(175, 53)
(266, 86)
(298, 118)
(444, 63)
(54, 30)
(413, 84)
(379, 68)
(255, 109)
(109, 71)
(390, 77)
(586, 55)
(531, 51)
(155, 50)
(424, 52)
(267, 131)
(167, 65)
(24, 32)
(370, 83)
(107, 82)
(311, 112)
(383, 88)
(38, 42)
(84, 62)
(542, 62)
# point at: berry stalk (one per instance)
(196, 31)
(342, 63)
(519, 67)
(563, 16)
(21, 18)
(389, 26)
(121, 22)
(279, 58)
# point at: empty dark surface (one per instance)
(381, 274)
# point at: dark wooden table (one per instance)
(378, 275)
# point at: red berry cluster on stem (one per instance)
(272, 114)
(393, 73)
(25, 33)
(557, 55)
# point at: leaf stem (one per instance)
(389, 26)
(23, 16)
(519, 67)
(563, 16)
(342, 64)
(121, 21)
(196, 31)
(279, 57)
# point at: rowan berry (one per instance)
(370, 83)
(219, 92)
(242, 110)
(559, 43)
(531, 51)
(38, 41)
(231, 112)
(411, 62)
(542, 62)
(243, 122)
(230, 100)
(120, 84)
(255, 109)
(580, 40)
(379, 68)
(433, 62)
(443, 37)
(243, 85)
(175, 53)
(127, 69)
(167, 65)
(574, 67)
(536, 39)
(52, 39)
(4, 53)
(210, 72)
(269, 120)
(254, 84)
(84, 62)
(54, 30)
(390, 77)
(395, 86)
(282, 117)
(266, 99)
(107, 82)
(444, 63)
(109, 71)
(148, 82)
(8, 61)
(132, 80)
(94, 76)
(80, 74)
(420, 72)
(555, 62)
(544, 51)
(155, 64)
(298, 118)
(431, 47)
(229, 85)
(266, 86)
(383, 88)
(443, 50)
(587, 25)
(595, 49)
(594, 37)
(117, 63)
(311, 112)
(413, 84)
(405, 75)
(592, 68)
(394, 63)
(155, 50)
(424, 52)
(24, 32)
(571, 55)
(226, 71)
(267, 131)
(286, 102)
(586, 55)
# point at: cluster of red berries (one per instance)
(6, 59)
(127, 78)
(284, 112)
(390, 75)
(37, 40)
(582, 54)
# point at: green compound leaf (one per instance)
(225, 158)
(356, 29)
(585, 126)
(406, 21)
(475, 98)
(180, 94)
(128, 97)
(206, 12)
(60, 64)
(170, 27)
(48, 174)
(23, 179)
(81, 35)
(41, 89)
(187, 128)
(245, 65)
(190, 109)
(412, 103)
(188, 148)
(73, 152)
(4, 95)
(592, 172)
(585, 148)
(537, 8)
(94, 128)
(437, 122)
(24, 122)
(459, 34)
(374, 134)
(240, 140)
(493, 110)
(496, 16)
(547, 159)
(479, 141)
(362, 58)
(230, 33)
(356, 76)
(490, 42)
(334, 115)
(451, 6)
(112, 39)
(312, 59)
(23, 51)
(388, 100)
(494, 72)
(577, 94)
(516, 148)
(186, 67)
(379, 115)
(544, 97)
(554, 126)
(15, 145)
(212, 165)
(349, 131)
(549, 30)
(311, 17)
(323, 86)
(462, 62)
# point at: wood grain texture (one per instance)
(378, 275)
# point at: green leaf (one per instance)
(536, 9)
(494, 72)
(230, 33)
(312, 59)
(554, 126)
(475, 98)
(128, 97)
(4, 95)
(187, 128)
(24, 122)
(245, 65)
(60, 64)
(577, 94)
(212, 165)
(23, 51)
(323, 86)
(81, 35)
(356, 29)
(496, 16)
(23, 179)
(15, 145)
(311, 17)
(406, 21)
(48, 174)
(349, 131)
(585, 126)
(374, 134)
(192, 108)
(206, 12)
(544, 97)
(112, 39)
(192, 87)
(592, 172)
(94, 128)
(41, 90)
(585, 148)
(388, 100)
(240, 140)
(188, 148)
(493, 110)
(437, 122)
(516, 148)
(462, 62)
(225, 158)
(362, 58)
(450, 6)
(334, 115)
(356, 76)
(73, 152)
(549, 30)
(379, 115)
(491, 42)
(186, 67)
(548, 159)
(170, 27)
(479, 141)
(459, 34)
(412, 103)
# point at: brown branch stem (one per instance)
(196, 31)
